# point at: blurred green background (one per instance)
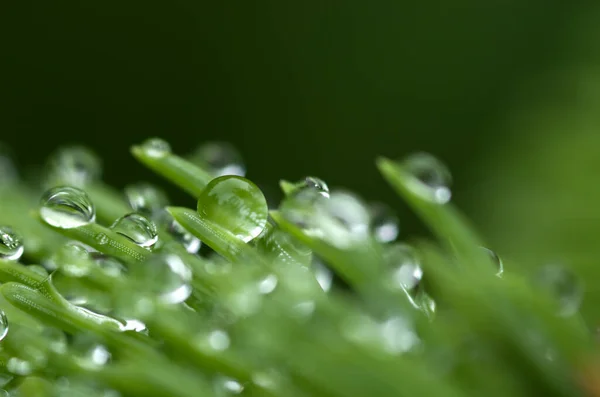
(503, 91)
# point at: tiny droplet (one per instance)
(137, 228)
(146, 198)
(384, 223)
(11, 245)
(221, 158)
(156, 147)
(431, 179)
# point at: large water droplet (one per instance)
(11, 245)
(430, 178)
(384, 223)
(406, 270)
(3, 325)
(66, 208)
(74, 166)
(164, 277)
(220, 158)
(562, 284)
(496, 260)
(156, 147)
(234, 204)
(190, 242)
(137, 228)
(146, 198)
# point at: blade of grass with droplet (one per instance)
(179, 171)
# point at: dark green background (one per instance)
(299, 87)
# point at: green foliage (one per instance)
(125, 305)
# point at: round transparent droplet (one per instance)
(11, 245)
(190, 242)
(496, 260)
(156, 147)
(73, 259)
(137, 228)
(88, 352)
(73, 166)
(221, 158)
(430, 178)
(3, 325)
(343, 219)
(563, 285)
(163, 277)
(234, 204)
(146, 198)
(384, 223)
(405, 264)
(66, 208)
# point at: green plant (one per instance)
(132, 310)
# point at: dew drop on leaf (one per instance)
(137, 228)
(67, 207)
(156, 147)
(384, 223)
(563, 285)
(11, 244)
(429, 177)
(73, 166)
(3, 325)
(146, 198)
(235, 204)
(221, 158)
(405, 265)
(163, 277)
(496, 260)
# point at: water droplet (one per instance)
(73, 166)
(308, 183)
(227, 386)
(146, 198)
(384, 223)
(323, 275)
(190, 242)
(137, 228)
(156, 147)
(235, 204)
(3, 325)
(342, 220)
(562, 284)
(496, 260)
(431, 179)
(220, 158)
(67, 207)
(73, 259)
(267, 284)
(404, 261)
(11, 245)
(218, 340)
(18, 366)
(164, 277)
(88, 353)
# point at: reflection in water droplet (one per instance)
(405, 264)
(218, 340)
(137, 228)
(11, 245)
(220, 158)
(73, 166)
(190, 242)
(496, 260)
(164, 277)
(431, 179)
(342, 220)
(235, 204)
(562, 284)
(267, 284)
(384, 223)
(156, 147)
(146, 198)
(323, 275)
(3, 325)
(66, 208)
